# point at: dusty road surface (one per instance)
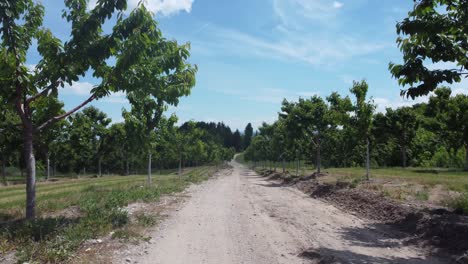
(239, 217)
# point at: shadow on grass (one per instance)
(435, 171)
(37, 230)
(4, 218)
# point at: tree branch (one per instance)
(55, 119)
(43, 92)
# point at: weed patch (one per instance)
(145, 220)
(460, 204)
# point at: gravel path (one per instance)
(238, 217)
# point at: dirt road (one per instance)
(241, 218)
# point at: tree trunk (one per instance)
(299, 165)
(180, 166)
(4, 170)
(127, 168)
(30, 171)
(284, 169)
(99, 167)
(149, 168)
(318, 158)
(403, 155)
(55, 169)
(367, 159)
(466, 157)
(48, 167)
(297, 168)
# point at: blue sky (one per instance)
(253, 53)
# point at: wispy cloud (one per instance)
(84, 89)
(337, 4)
(347, 79)
(396, 102)
(266, 95)
(314, 50)
(301, 34)
(163, 7)
(78, 88)
(116, 98)
(293, 12)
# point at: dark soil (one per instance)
(437, 228)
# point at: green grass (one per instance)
(455, 180)
(100, 202)
(396, 182)
(452, 179)
(52, 196)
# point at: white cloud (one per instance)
(314, 49)
(347, 79)
(292, 38)
(396, 102)
(31, 67)
(337, 4)
(84, 89)
(163, 7)
(266, 95)
(460, 91)
(461, 87)
(78, 88)
(116, 98)
(292, 13)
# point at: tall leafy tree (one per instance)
(340, 135)
(141, 55)
(43, 108)
(435, 31)
(402, 123)
(237, 141)
(448, 116)
(114, 148)
(248, 133)
(362, 120)
(310, 120)
(87, 132)
(279, 143)
(458, 121)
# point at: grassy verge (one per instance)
(434, 186)
(455, 180)
(98, 203)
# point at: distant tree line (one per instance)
(88, 142)
(346, 132)
(223, 134)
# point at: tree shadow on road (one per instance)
(373, 236)
(333, 256)
(274, 184)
